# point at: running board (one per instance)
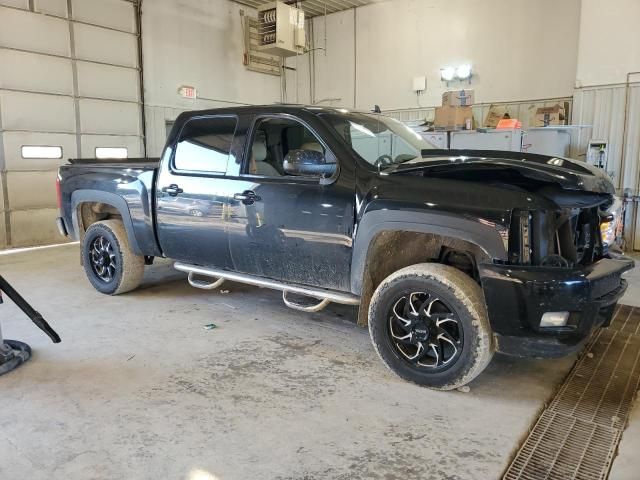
(324, 296)
(302, 307)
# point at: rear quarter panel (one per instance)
(127, 187)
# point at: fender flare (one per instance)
(485, 237)
(83, 196)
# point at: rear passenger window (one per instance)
(205, 144)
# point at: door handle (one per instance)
(173, 190)
(247, 197)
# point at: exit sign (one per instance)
(187, 92)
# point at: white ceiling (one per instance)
(313, 8)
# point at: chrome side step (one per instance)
(324, 296)
(205, 286)
(302, 307)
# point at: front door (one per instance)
(191, 194)
(286, 224)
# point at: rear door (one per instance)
(191, 193)
(290, 227)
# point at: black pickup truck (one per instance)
(451, 255)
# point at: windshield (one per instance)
(379, 140)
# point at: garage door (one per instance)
(69, 87)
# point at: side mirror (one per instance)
(307, 162)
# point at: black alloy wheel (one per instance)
(109, 262)
(429, 325)
(103, 259)
(425, 331)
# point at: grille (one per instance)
(562, 238)
(577, 434)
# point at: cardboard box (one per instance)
(452, 117)
(457, 98)
(496, 113)
(555, 115)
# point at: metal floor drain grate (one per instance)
(577, 434)
(626, 320)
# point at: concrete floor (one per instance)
(139, 389)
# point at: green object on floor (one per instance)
(210, 326)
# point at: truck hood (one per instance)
(525, 170)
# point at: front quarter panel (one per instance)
(381, 218)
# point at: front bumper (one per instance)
(517, 297)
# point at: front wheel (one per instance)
(110, 264)
(429, 325)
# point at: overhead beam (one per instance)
(314, 8)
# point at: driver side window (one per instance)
(284, 147)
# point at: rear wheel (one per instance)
(110, 264)
(429, 325)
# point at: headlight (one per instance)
(611, 222)
(607, 230)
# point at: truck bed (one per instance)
(128, 162)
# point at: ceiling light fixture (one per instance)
(447, 73)
(463, 71)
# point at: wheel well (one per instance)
(390, 251)
(92, 212)
(89, 213)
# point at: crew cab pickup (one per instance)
(450, 254)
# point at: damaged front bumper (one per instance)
(517, 297)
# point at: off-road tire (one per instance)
(464, 297)
(129, 267)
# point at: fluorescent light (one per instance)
(111, 152)
(447, 73)
(41, 151)
(463, 71)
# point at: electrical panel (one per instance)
(254, 59)
(597, 153)
(281, 29)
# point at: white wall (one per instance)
(372, 53)
(335, 66)
(198, 43)
(609, 45)
(519, 49)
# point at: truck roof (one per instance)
(274, 108)
(292, 109)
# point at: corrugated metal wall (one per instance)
(603, 108)
(69, 78)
